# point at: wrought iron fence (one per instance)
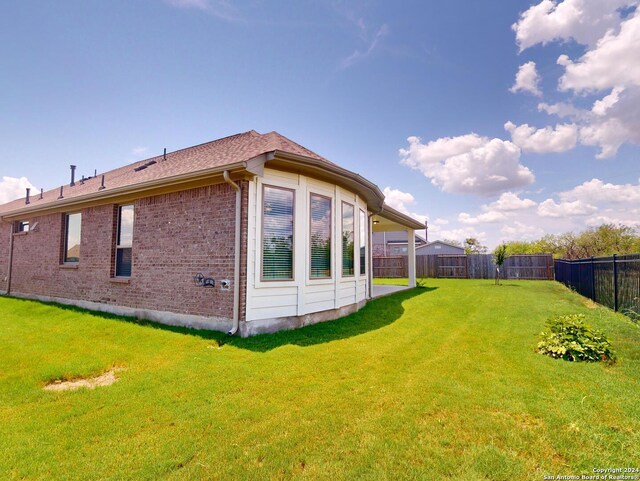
(611, 281)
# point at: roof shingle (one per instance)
(218, 153)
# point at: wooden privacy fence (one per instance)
(611, 281)
(467, 266)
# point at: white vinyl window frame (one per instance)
(311, 277)
(68, 218)
(269, 280)
(123, 245)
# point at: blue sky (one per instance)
(522, 115)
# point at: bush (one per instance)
(569, 338)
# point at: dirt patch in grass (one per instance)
(590, 304)
(105, 379)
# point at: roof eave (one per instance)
(398, 217)
(252, 166)
(325, 170)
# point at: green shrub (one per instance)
(569, 338)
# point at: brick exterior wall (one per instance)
(175, 237)
(5, 239)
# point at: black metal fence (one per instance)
(611, 281)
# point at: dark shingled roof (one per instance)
(218, 153)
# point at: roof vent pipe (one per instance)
(41, 193)
(61, 196)
(102, 184)
(26, 200)
(73, 175)
(164, 156)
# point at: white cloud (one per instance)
(223, 9)
(561, 109)
(358, 55)
(610, 64)
(489, 217)
(400, 201)
(468, 164)
(527, 80)
(12, 188)
(617, 218)
(458, 234)
(509, 201)
(597, 191)
(564, 137)
(440, 221)
(614, 62)
(521, 231)
(584, 21)
(612, 121)
(138, 151)
(550, 208)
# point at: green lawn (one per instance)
(439, 382)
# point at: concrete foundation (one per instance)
(267, 326)
(161, 317)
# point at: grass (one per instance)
(431, 383)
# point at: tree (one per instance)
(499, 255)
(473, 246)
(452, 242)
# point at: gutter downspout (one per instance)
(370, 257)
(10, 259)
(236, 263)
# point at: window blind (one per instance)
(277, 233)
(363, 242)
(347, 239)
(320, 236)
(124, 241)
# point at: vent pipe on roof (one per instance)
(102, 187)
(73, 174)
(61, 196)
(164, 156)
(82, 180)
(41, 193)
(26, 200)
(95, 172)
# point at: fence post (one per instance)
(615, 284)
(593, 280)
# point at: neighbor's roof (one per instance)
(439, 242)
(218, 153)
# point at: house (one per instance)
(248, 234)
(387, 244)
(438, 248)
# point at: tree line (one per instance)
(604, 240)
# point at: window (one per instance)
(363, 243)
(320, 237)
(124, 241)
(72, 226)
(398, 250)
(22, 226)
(347, 239)
(277, 233)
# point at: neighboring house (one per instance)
(438, 248)
(393, 243)
(251, 233)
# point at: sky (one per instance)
(488, 119)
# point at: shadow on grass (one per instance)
(376, 314)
